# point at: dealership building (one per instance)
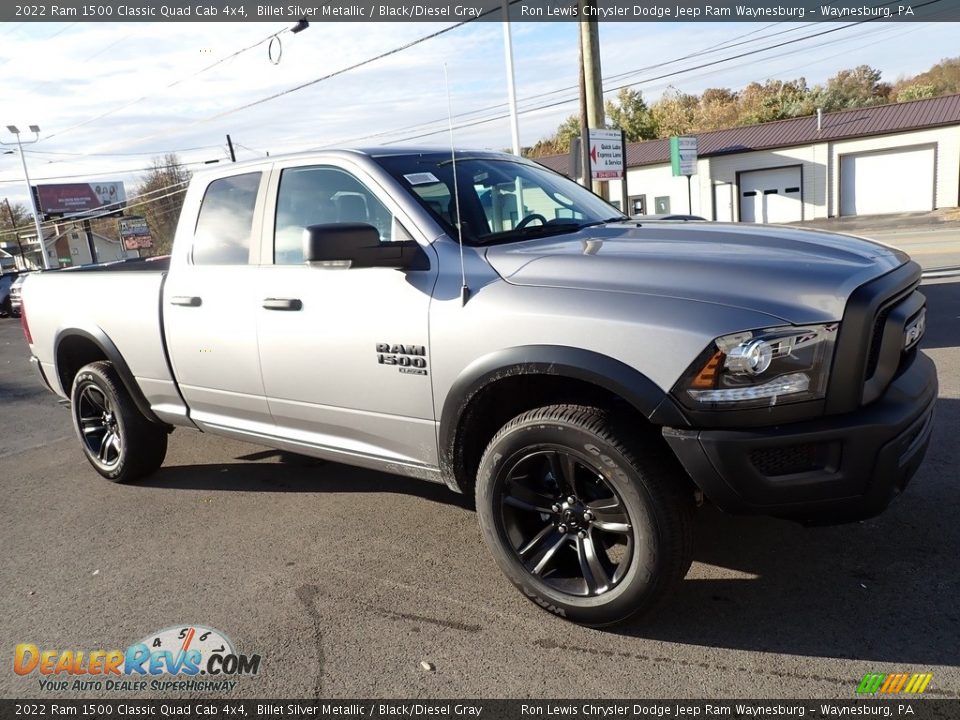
(900, 157)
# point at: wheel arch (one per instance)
(76, 347)
(526, 376)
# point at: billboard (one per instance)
(80, 199)
(135, 233)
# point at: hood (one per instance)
(794, 274)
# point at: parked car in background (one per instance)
(15, 299)
(6, 280)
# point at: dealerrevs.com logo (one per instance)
(198, 658)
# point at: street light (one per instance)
(33, 204)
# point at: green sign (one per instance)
(683, 155)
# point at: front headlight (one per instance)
(761, 368)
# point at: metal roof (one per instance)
(840, 125)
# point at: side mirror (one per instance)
(355, 245)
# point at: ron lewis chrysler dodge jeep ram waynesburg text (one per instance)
(489, 324)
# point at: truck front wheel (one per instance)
(587, 520)
(120, 443)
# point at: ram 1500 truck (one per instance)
(477, 320)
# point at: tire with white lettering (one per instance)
(590, 518)
(120, 443)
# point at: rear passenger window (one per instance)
(225, 223)
(318, 196)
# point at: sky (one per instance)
(109, 97)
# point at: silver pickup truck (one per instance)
(480, 321)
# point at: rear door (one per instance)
(344, 351)
(210, 307)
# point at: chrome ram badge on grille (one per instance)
(914, 330)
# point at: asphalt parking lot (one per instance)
(344, 580)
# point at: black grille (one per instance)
(785, 460)
(876, 341)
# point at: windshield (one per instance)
(500, 199)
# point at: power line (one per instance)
(167, 87)
(121, 154)
(702, 51)
(568, 100)
(102, 173)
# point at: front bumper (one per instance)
(830, 470)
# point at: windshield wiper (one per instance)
(617, 219)
(530, 231)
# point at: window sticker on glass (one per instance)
(421, 178)
(480, 177)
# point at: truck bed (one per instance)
(116, 304)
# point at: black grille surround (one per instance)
(869, 348)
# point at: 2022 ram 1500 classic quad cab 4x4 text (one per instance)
(593, 378)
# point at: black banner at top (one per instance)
(444, 11)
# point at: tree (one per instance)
(859, 87)
(916, 91)
(631, 114)
(718, 109)
(772, 100)
(159, 198)
(941, 79)
(675, 113)
(22, 220)
(559, 142)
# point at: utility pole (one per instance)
(233, 156)
(592, 79)
(584, 124)
(511, 81)
(91, 244)
(33, 202)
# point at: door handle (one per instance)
(282, 304)
(186, 300)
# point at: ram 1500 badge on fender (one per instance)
(587, 377)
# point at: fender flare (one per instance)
(107, 347)
(617, 377)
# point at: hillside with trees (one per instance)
(680, 113)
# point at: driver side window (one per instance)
(318, 196)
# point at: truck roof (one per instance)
(373, 152)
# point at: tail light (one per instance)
(24, 324)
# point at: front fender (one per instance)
(615, 376)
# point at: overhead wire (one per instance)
(176, 82)
(723, 45)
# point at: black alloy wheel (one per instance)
(565, 522)
(99, 427)
(118, 440)
(588, 514)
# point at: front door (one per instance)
(344, 352)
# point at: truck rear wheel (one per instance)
(120, 443)
(587, 521)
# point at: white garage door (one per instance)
(771, 196)
(887, 182)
